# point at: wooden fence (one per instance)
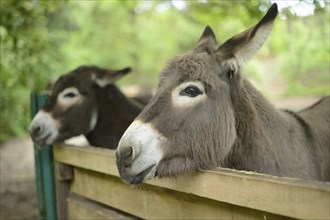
(88, 187)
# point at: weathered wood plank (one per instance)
(81, 208)
(64, 176)
(152, 202)
(92, 158)
(63, 172)
(284, 196)
(271, 194)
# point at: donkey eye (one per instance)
(191, 91)
(70, 95)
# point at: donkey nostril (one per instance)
(127, 155)
(36, 131)
(129, 152)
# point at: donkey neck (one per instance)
(261, 130)
(252, 111)
(115, 113)
(265, 113)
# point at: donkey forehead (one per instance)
(192, 67)
(73, 79)
(194, 63)
(80, 86)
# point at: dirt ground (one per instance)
(18, 190)
(18, 198)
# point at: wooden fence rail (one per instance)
(88, 186)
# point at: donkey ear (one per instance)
(122, 72)
(245, 44)
(207, 40)
(107, 76)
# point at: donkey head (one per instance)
(189, 124)
(71, 108)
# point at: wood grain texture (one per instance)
(283, 196)
(64, 176)
(151, 202)
(81, 208)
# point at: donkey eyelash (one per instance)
(70, 95)
(191, 91)
(71, 92)
(188, 94)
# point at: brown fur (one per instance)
(115, 110)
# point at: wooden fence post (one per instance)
(64, 177)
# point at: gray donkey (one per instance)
(205, 114)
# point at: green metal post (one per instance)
(37, 163)
(44, 168)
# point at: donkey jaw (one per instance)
(43, 129)
(139, 153)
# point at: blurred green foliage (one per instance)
(28, 55)
(41, 40)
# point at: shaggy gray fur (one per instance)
(235, 126)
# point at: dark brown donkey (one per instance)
(205, 114)
(85, 101)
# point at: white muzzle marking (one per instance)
(146, 150)
(43, 129)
